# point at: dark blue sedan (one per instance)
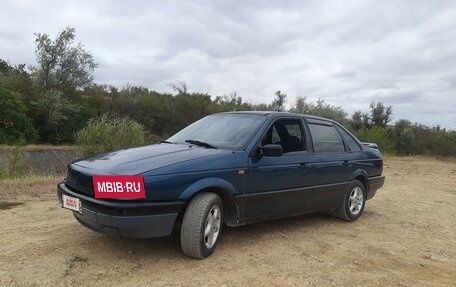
(233, 168)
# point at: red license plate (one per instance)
(119, 186)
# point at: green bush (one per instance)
(106, 134)
(9, 205)
(15, 126)
(443, 143)
(57, 118)
(411, 139)
(380, 136)
(403, 135)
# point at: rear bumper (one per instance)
(374, 183)
(125, 218)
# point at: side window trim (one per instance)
(347, 149)
(329, 124)
(319, 122)
(303, 136)
(309, 141)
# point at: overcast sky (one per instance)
(349, 53)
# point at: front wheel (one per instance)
(201, 225)
(354, 201)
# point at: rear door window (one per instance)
(326, 138)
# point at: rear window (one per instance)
(326, 138)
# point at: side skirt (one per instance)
(290, 202)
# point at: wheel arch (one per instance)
(222, 188)
(361, 175)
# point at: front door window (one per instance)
(288, 133)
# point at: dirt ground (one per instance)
(406, 237)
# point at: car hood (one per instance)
(144, 159)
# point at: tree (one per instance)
(229, 103)
(190, 108)
(278, 104)
(180, 87)
(357, 121)
(329, 111)
(403, 137)
(380, 114)
(16, 78)
(56, 118)
(62, 65)
(260, 107)
(360, 121)
(301, 106)
(320, 108)
(14, 124)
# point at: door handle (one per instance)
(346, 163)
(304, 165)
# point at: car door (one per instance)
(280, 184)
(331, 165)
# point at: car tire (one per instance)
(353, 203)
(201, 225)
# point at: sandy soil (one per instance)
(406, 237)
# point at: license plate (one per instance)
(72, 203)
(119, 186)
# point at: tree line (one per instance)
(53, 100)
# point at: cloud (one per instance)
(349, 53)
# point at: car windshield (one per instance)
(225, 131)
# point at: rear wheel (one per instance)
(354, 201)
(201, 225)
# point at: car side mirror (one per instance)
(271, 150)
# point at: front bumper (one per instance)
(374, 183)
(125, 218)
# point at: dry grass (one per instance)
(37, 148)
(19, 189)
(448, 159)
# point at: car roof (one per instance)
(276, 114)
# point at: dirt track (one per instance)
(406, 237)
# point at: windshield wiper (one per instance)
(199, 143)
(168, 142)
